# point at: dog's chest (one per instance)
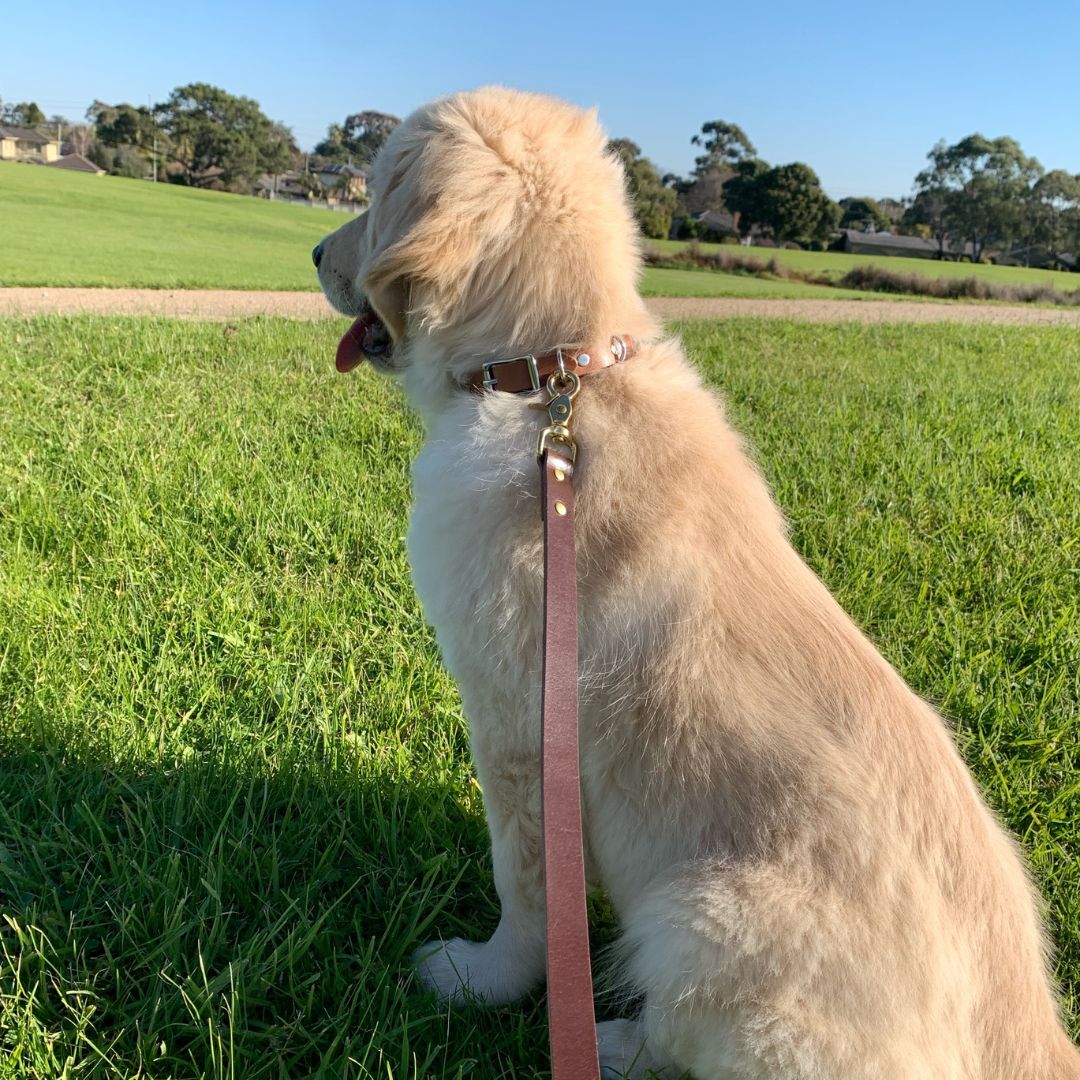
(475, 546)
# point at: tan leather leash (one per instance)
(571, 1017)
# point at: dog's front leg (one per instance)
(511, 962)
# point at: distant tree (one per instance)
(893, 209)
(706, 192)
(119, 160)
(743, 193)
(359, 139)
(332, 148)
(926, 215)
(77, 139)
(291, 156)
(785, 201)
(725, 145)
(982, 184)
(26, 114)
(1050, 214)
(793, 206)
(123, 125)
(626, 150)
(862, 214)
(210, 129)
(653, 203)
(1057, 197)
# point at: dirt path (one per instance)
(233, 304)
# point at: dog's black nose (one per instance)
(316, 255)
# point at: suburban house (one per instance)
(710, 225)
(1039, 258)
(347, 182)
(76, 163)
(857, 242)
(288, 185)
(25, 144)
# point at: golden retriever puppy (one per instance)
(808, 882)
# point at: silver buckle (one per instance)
(492, 383)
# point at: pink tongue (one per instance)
(350, 350)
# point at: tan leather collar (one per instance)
(523, 374)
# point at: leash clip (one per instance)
(563, 387)
(556, 437)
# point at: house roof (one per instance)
(717, 219)
(1036, 255)
(283, 183)
(890, 240)
(76, 162)
(24, 134)
(884, 243)
(344, 170)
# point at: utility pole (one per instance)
(150, 110)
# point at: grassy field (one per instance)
(234, 784)
(63, 228)
(657, 281)
(835, 264)
(69, 229)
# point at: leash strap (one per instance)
(571, 1018)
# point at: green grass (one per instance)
(62, 228)
(658, 281)
(835, 264)
(234, 784)
(70, 229)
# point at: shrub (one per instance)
(865, 278)
(880, 279)
(729, 262)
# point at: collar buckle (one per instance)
(491, 380)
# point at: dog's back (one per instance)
(815, 846)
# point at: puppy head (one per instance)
(498, 222)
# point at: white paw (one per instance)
(460, 970)
(623, 1056)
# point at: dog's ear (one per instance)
(427, 271)
(387, 290)
(444, 213)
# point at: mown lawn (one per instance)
(69, 229)
(658, 281)
(234, 785)
(835, 264)
(61, 228)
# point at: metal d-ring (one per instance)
(565, 383)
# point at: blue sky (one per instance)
(859, 91)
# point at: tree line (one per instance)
(974, 195)
(983, 192)
(204, 136)
(786, 202)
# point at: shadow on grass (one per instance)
(222, 918)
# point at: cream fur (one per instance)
(809, 883)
